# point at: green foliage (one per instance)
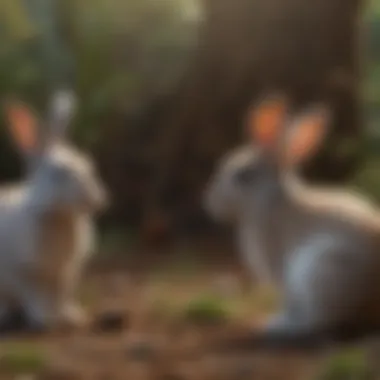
(119, 56)
(22, 359)
(124, 52)
(14, 17)
(350, 365)
(207, 309)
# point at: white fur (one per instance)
(47, 230)
(321, 246)
(252, 251)
(314, 243)
(301, 265)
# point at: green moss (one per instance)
(207, 310)
(22, 358)
(349, 365)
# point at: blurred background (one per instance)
(163, 87)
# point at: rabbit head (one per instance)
(253, 176)
(61, 178)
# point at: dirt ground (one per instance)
(145, 325)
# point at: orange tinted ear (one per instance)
(22, 125)
(306, 134)
(267, 119)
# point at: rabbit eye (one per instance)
(246, 175)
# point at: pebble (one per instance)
(111, 321)
(141, 351)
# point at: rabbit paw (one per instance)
(73, 316)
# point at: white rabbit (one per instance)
(46, 223)
(320, 246)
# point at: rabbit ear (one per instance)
(266, 121)
(23, 125)
(306, 134)
(62, 109)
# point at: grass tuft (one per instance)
(22, 359)
(350, 365)
(207, 309)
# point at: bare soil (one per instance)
(139, 331)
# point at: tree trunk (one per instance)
(308, 49)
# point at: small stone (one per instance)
(110, 321)
(141, 351)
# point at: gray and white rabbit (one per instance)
(320, 246)
(46, 223)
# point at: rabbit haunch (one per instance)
(321, 246)
(46, 226)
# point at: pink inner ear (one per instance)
(23, 126)
(306, 137)
(266, 122)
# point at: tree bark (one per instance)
(307, 49)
